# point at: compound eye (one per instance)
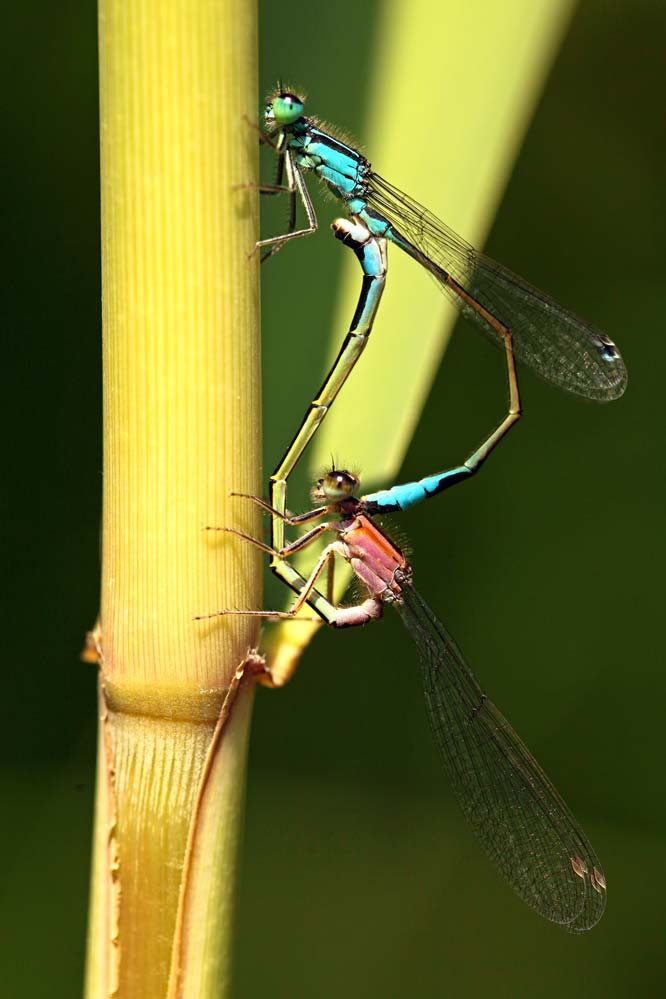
(287, 108)
(339, 484)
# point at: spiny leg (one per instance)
(330, 581)
(285, 517)
(295, 184)
(263, 188)
(279, 564)
(280, 188)
(265, 139)
(304, 588)
(328, 554)
(294, 546)
(277, 187)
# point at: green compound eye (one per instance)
(287, 108)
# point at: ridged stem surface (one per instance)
(181, 430)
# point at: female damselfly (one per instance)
(515, 810)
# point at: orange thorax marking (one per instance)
(371, 550)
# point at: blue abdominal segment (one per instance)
(410, 493)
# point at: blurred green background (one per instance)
(358, 876)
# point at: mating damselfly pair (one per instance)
(520, 818)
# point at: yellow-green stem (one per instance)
(181, 430)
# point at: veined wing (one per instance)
(515, 810)
(557, 344)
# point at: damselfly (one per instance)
(558, 345)
(520, 818)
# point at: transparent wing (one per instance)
(558, 345)
(516, 812)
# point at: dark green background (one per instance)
(359, 877)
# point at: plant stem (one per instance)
(181, 430)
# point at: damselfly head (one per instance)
(283, 108)
(336, 486)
